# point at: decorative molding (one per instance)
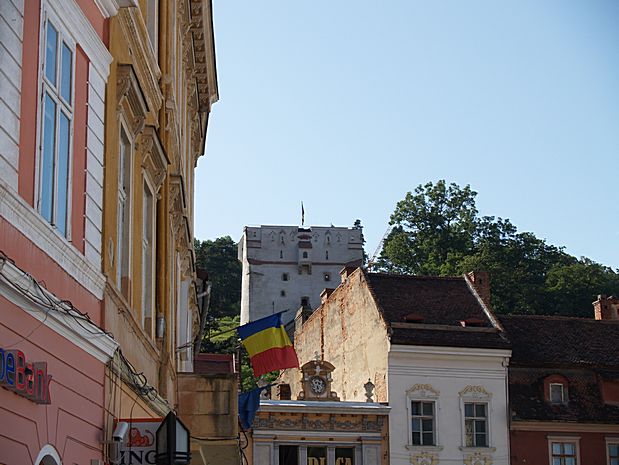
(301, 422)
(109, 8)
(75, 22)
(423, 390)
(478, 458)
(424, 458)
(84, 334)
(475, 392)
(154, 159)
(32, 225)
(144, 59)
(460, 351)
(567, 427)
(130, 98)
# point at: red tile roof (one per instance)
(442, 302)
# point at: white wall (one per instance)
(11, 39)
(263, 267)
(449, 372)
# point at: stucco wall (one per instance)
(456, 375)
(73, 422)
(531, 447)
(348, 332)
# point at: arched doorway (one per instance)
(48, 456)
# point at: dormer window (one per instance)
(557, 393)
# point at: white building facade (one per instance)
(287, 267)
(448, 405)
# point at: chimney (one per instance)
(347, 271)
(324, 295)
(606, 308)
(481, 283)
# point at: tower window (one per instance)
(304, 301)
(326, 255)
(285, 276)
(282, 293)
(327, 276)
(281, 254)
(304, 254)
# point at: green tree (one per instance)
(431, 227)
(573, 286)
(437, 231)
(219, 259)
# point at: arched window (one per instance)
(304, 254)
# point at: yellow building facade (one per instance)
(160, 91)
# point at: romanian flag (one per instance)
(268, 345)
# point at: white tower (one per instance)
(287, 267)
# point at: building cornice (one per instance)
(62, 319)
(109, 8)
(32, 225)
(563, 427)
(450, 351)
(299, 406)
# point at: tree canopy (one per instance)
(219, 259)
(437, 231)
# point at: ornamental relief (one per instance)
(424, 458)
(423, 390)
(476, 392)
(478, 458)
(304, 423)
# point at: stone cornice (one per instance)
(109, 8)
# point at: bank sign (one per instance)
(25, 378)
(139, 446)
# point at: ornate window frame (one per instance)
(422, 454)
(479, 395)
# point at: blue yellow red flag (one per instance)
(268, 345)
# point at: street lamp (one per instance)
(172, 442)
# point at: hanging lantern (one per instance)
(172, 442)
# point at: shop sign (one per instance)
(25, 378)
(139, 446)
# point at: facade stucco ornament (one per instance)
(423, 391)
(130, 98)
(154, 159)
(475, 392)
(424, 458)
(478, 458)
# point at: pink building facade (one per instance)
(53, 354)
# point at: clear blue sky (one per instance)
(347, 105)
